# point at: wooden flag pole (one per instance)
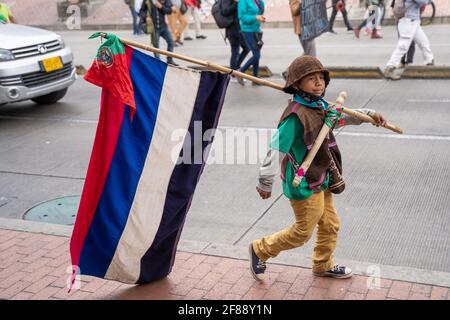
(216, 67)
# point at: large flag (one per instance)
(135, 197)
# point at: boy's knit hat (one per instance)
(301, 67)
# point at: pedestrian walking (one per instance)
(309, 46)
(339, 5)
(408, 58)
(251, 15)
(193, 14)
(136, 28)
(312, 200)
(409, 29)
(372, 21)
(154, 12)
(234, 35)
(177, 21)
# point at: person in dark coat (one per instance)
(233, 34)
(155, 11)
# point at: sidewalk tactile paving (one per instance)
(42, 274)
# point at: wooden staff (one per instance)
(213, 66)
(323, 133)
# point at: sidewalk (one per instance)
(34, 266)
(114, 14)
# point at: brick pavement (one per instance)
(34, 266)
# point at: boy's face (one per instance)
(313, 83)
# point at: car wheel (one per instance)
(51, 97)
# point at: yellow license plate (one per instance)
(52, 64)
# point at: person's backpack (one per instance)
(221, 20)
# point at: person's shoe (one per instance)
(356, 32)
(173, 63)
(431, 63)
(188, 39)
(179, 42)
(256, 84)
(376, 35)
(332, 31)
(240, 80)
(339, 272)
(350, 29)
(200, 36)
(393, 73)
(284, 75)
(257, 266)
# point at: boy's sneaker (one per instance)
(257, 266)
(338, 271)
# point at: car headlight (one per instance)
(61, 43)
(6, 55)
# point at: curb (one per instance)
(369, 269)
(356, 72)
(427, 72)
(344, 72)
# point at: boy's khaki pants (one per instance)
(316, 210)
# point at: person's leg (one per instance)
(234, 44)
(327, 230)
(154, 39)
(168, 37)
(172, 21)
(254, 60)
(189, 20)
(376, 33)
(135, 21)
(406, 29)
(198, 24)
(309, 46)
(411, 52)
(360, 27)
(424, 45)
(307, 213)
(245, 50)
(181, 25)
(332, 17)
(346, 21)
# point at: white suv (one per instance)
(34, 64)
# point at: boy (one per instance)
(312, 200)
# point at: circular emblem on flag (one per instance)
(106, 57)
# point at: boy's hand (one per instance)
(379, 119)
(158, 4)
(263, 194)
